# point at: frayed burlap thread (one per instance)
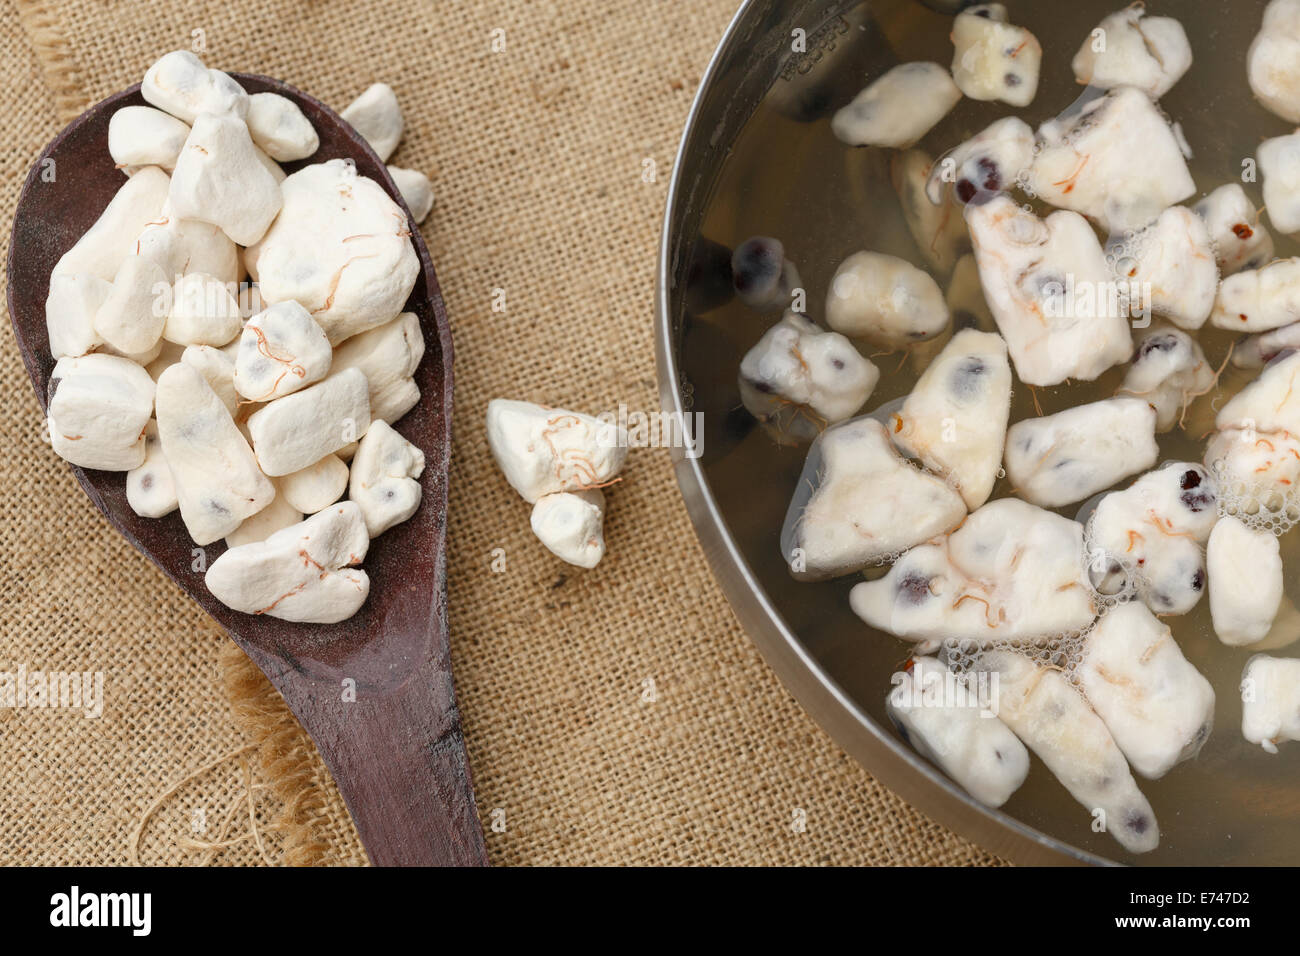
(311, 814)
(51, 47)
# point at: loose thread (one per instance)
(171, 791)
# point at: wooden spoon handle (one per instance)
(398, 756)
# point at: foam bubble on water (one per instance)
(1113, 578)
(1260, 506)
(889, 560)
(1024, 180)
(1062, 652)
(1059, 652)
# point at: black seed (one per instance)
(1191, 479)
(992, 175)
(914, 588)
(837, 364)
(966, 190)
(1011, 79)
(1137, 822)
(1157, 343)
(1198, 580)
(968, 378)
(757, 264)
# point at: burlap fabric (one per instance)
(537, 155)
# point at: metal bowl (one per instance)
(736, 491)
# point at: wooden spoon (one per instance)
(396, 751)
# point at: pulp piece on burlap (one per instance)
(549, 664)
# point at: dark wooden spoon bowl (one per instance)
(397, 751)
